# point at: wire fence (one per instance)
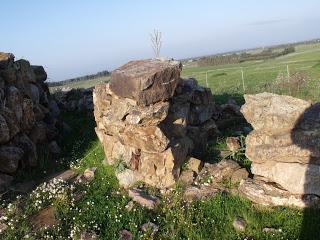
(280, 78)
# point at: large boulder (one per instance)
(269, 194)
(11, 120)
(9, 158)
(4, 130)
(273, 113)
(284, 146)
(14, 101)
(292, 146)
(29, 148)
(25, 73)
(296, 178)
(146, 81)
(40, 73)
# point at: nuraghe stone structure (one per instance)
(28, 116)
(284, 148)
(151, 119)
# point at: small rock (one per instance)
(239, 224)
(78, 196)
(233, 144)
(239, 175)
(3, 227)
(125, 235)
(67, 175)
(143, 199)
(2, 212)
(149, 226)
(221, 170)
(128, 178)
(271, 230)
(129, 206)
(44, 218)
(54, 148)
(88, 236)
(200, 193)
(187, 176)
(195, 164)
(89, 173)
(224, 154)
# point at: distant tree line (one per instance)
(266, 54)
(219, 60)
(82, 78)
(242, 57)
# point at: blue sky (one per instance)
(75, 37)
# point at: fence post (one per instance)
(288, 73)
(207, 78)
(242, 77)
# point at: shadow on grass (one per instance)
(229, 125)
(223, 98)
(73, 144)
(81, 137)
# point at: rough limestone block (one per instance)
(146, 81)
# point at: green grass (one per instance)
(226, 80)
(82, 84)
(102, 208)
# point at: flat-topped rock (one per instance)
(297, 178)
(268, 194)
(273, 113)
(146, 81)
(284, 145)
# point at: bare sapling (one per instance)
(156, 42)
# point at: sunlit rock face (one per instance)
(284, 146)
(146, 81)
(151, 119)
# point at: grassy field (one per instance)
(102, 208)
(82, 84)
(259, 76)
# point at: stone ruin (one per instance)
(28, 116)
(151, 119)
(70, 100)
(284, 148)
